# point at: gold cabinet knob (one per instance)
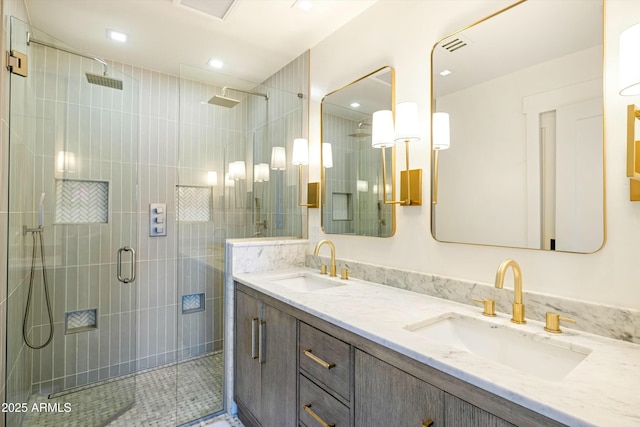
(427, 423)
(553, 322)
(489, 306)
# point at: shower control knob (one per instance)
(157, 219)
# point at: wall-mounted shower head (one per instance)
(104, 80)
(224, 101)
(96, 79)
(360, 132)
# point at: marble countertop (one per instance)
(603, 390)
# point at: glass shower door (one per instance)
(73, 212)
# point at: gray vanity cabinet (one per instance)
(459, 413)
(292, 367)
(386, 396)
(265, 363)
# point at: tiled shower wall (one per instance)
(370, 216)
(210, 138)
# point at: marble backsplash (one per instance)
(613, 322)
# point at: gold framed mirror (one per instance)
(523, 90)
(352, 181)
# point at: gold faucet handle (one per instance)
(344, 274)
(323, 269)
(553, 323)
(489, 306)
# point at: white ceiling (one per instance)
(256, 39)
(527, 34)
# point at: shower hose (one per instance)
(29, 295)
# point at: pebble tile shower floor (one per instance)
(199, 392)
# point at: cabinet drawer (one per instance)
(318, 408)
(326, 359)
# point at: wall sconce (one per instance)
(327, 155)
(630, 85)
(630, 61)
(406, 130)
(237, 170)
(362, 186)
(278, 159)
(212, 178)
(66, 161)
(228, 181)
(441, 141)
(261, 172)
(300, 157)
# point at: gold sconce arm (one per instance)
(633, 153)
(313, 192)
(435, 177)
(300, 156)
(410, 189)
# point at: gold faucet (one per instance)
(518, 306)
(333, 257)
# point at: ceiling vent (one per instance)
(218, 9)
(454, 43)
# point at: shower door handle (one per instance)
(132, 277)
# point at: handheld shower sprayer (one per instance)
(41, 210)
(45, 285)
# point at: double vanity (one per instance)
(315, 350)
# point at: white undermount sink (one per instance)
(306, 283)
(530, 353)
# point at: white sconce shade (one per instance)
(362, 186)
(66, 161)
(327, 156)
(212, 178)
(629, 82)
(228, 181)
(441, 136)
(407, 122)
(300, 154)
(261, 172)
(382, 134)
(237, 170)
(278, 158)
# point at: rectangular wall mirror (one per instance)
(352, 184)
(523, 89)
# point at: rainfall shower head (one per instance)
(104, 80)
(224, 101)
(95, 79)
(361, 133)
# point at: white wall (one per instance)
(472, 206)
(401, 33)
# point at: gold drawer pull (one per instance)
(427, 423)
(319, 361)
(323, 423)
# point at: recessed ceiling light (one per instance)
(355, 104)
(444, 73)
(116, 36)
(305, 5)
(215, 63)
